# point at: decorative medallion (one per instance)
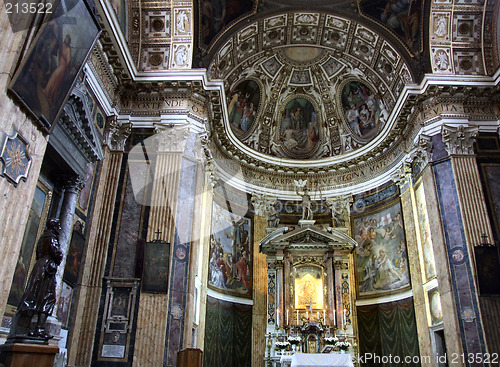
(177, 312)
(468, 314)
(457, 255)
(180, 253)
(15, 158)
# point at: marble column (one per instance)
(72, 185)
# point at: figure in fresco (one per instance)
(403, 15)
(40, 295)
(242, 270)
(386, 271)
(299, 128)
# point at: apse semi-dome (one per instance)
(307, 86)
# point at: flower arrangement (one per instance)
(294, 340)
(281, 345)
(342, 345)
(331, 340)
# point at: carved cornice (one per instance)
(459, 140)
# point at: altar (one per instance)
(317, 359)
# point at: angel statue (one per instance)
(307, 213)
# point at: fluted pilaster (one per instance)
(81, 340)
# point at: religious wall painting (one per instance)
(331, 67)
(217, 15)
(361, 110)
(74, 258)
(230, 264)
(401, 17)
(243, 107)
(156, 267)
(64, 304)
(271, 66)
(381, 255)
(299, 128)
(86, 191)
(308, 287)
(425, 234)
(301, 77)
(48, 72)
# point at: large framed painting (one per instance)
(230, 265)
(34, 228)
(56, 56)
(381, 256)
(156, 267)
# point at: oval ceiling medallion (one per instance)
(243, 107)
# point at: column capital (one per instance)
(116, 133)
(402, 176)
(459, 139)
(172, 138)
(71, 183)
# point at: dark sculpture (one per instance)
(40, 295)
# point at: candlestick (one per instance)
(324, 319)
(287, 316)
(318, 316)
(334, 319)
(278, 318)
(297, 317)
(345, 318)
(307, 315)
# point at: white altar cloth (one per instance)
(321, 359)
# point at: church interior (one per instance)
(262, 183)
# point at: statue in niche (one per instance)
(273, 219)
(307, 213)
(40, 295)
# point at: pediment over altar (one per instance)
(307, 238)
